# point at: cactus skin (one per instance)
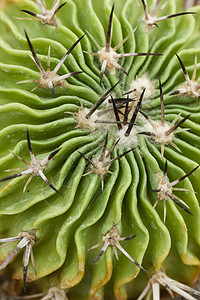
(67, 226)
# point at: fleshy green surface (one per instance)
(67, 226)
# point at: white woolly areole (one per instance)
(50, 80)
(83, 122)
(36, 166)
(159, 132)
(164, 187)
(100, 166)
(189, 89)
(160, 278)
(150, 21)
(110, 57)
(138, 86)
(124, 141)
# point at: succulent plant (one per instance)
(113, 141)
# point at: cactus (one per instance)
(117, 135)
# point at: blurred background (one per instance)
(188, 3)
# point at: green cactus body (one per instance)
(66, 226)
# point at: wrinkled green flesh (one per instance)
(68, 226)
